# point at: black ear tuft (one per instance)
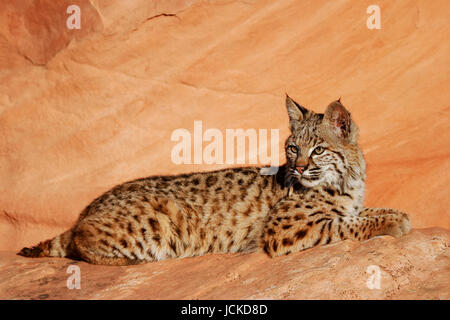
(295, 111)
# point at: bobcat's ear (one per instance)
(338, 119)
(296, 112)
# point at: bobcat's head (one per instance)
(322, 148)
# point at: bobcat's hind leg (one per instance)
(89, 244)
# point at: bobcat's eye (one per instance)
(319, 150)
(293, 149)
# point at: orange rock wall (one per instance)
(83, 110)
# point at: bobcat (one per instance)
(315, 198)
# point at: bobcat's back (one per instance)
(172, 216)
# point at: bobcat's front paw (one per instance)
(396, 224)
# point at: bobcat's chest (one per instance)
(333, 200)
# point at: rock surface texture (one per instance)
(412, 267)
(84, 110)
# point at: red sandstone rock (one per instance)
(83, 110)
(37, 31)
(416, 266)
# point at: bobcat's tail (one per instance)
(56, 247)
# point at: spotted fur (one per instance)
(316, 198)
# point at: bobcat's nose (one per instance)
(300, 169)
